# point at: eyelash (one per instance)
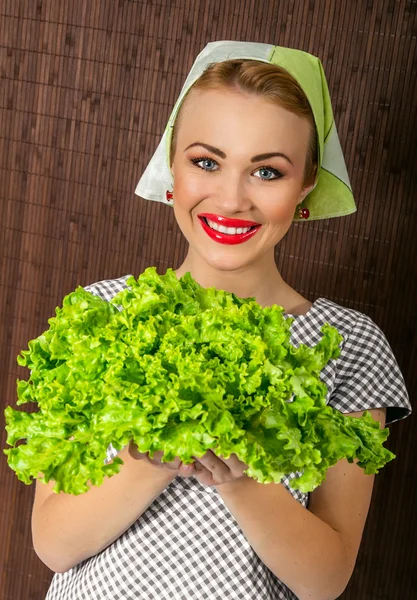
(277, 173)
(195, 161)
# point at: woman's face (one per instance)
(239, 163)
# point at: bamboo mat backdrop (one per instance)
(85, 92)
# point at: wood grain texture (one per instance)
(85, 92)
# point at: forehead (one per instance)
(230, 117)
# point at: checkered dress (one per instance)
(187, 545)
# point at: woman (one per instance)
(251, 146)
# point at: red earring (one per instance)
(169, 196)
(302, 212)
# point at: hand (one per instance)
(175, 466)
(209, 469)
(216, 470)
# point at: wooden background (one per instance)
(85, 91)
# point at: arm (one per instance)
(67, 529)
(313, 551)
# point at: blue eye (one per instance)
(268, 174)
(208, 164)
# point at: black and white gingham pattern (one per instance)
(187, 544)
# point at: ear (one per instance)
(306, 190)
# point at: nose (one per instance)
(233, 194)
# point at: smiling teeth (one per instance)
(228, 230)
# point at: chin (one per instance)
(224, 261)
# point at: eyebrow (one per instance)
(209, 148)
(254, 159)
(267, 155)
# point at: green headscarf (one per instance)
(332, 195)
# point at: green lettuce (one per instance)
(183, 369)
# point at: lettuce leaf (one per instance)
(183, 369)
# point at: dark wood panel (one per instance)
(85, 91)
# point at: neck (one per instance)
(260, 281)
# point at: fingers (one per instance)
(134, 452)
(234, 463)
(187, 470)
(184, 470)
(173, 465)
(218, 468)
(156, 460)
(210, 469)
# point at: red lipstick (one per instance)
(227, 238)
(227, 222)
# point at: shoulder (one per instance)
(360, 333)
(366, 375)
(306, 327)
(350, 323)
(108, 288)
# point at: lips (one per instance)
(227, 238)
(227, 222)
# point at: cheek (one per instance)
(188, 189)
(187, 195)
(279, 211)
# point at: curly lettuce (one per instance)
(182, 369)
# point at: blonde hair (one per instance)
(263, 79)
